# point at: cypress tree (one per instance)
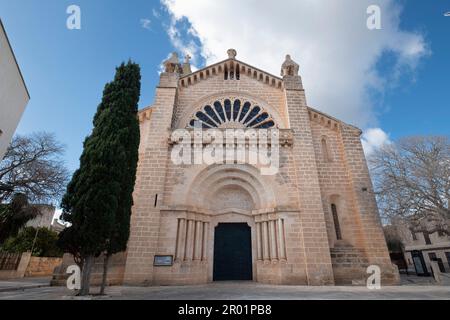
(97, 193)
(130, 138)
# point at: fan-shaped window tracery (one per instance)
(234, 114)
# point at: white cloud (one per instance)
(156, 13)
(181, 42)
(374, 138)
(329, 39)
(146, 23)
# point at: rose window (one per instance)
(236, 114)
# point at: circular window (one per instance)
(228, 114)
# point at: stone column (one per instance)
(181, 239)
(190, 238)
(273, 241)
(259, 241)
(265, 241)
(198, 240)
(281, 241)
(205, 241)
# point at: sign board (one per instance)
(163, 261)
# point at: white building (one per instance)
(14, 95)
(47, 219)
(44, 219)
(420, 248)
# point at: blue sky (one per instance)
(66, 70)
(422, 105)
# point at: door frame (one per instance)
(231, 217)
(247, 233)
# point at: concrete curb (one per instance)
(12, 289)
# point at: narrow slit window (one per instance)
(326, 151)
(337, 226)
(225, 76)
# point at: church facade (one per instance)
(312, 222)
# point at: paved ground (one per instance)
(413, 280)
(238, 291)
(22, 284)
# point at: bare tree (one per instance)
(412, 182)
(33, 166)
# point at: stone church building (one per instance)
(315, 222)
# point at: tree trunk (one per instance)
(86, 276)
(105, 273)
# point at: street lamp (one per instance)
(36, 235)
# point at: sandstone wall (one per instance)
(115, 271)
(177, 207)
(195, 96)
(42, 267)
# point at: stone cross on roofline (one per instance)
(187, 65)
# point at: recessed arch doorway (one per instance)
(232, 252)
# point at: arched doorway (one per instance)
(226, 196)
(232, 252)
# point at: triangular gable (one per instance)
(234, 70)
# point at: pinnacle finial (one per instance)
(232, 53)
(171, 65)
(289, 67)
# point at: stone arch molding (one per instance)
(190, 112)
(199, 191)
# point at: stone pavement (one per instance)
(240, 291)
(23, 284)
(413, 280)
